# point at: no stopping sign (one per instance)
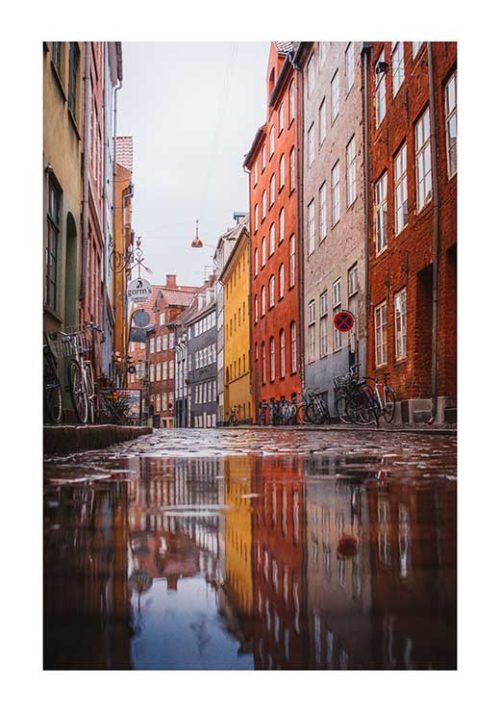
(343, 320)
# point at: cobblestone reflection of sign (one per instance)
(139, 290)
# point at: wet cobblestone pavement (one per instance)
(252, 548)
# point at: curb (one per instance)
(72, 438)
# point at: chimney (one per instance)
(171, 282)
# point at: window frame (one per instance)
(451, 115)
(398, 70)
(335, 95)
(350, 68)
(380, 211)
(401, 330)
(381, 327)
(311, 227)
(400, 188)
(424, 152)
(380, 92)
(351, 170)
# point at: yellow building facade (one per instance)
(236, 282)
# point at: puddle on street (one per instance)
(250, 562)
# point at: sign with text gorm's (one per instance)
(139, 290)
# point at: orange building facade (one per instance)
(272, 164)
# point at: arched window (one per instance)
(293, 347)
(292, 260)
(281, 235)
(264, 205)
(263, 301)
(256, 261)
(264, 364)
(271, 141)
(256, 309)
(272, 239)
(282, 353)
(272, 190)
(272, 365)
(281, 281)
(271, 291)
(282, 170)
(263, 251)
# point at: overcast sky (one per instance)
(193, 110)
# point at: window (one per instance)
(162, 319)
(450, 96)
(400, 190)
(256, 261)
(349, 67)
(263, 156)
(152, 373)
(152, 345)
(272, 364)
(263, 301)
(337, 305)
(281, 235)
(158, 371)
(256, 308)
(322, 53)
(271, 291)
(263, 251)
(381, 335)
(398, 67)
(291, 101)
(256, 217)
(272, 190)
(400, 324)
(264, 206)
(264, 364)
(282, 170)
(379, 91)
(323, 314)
(310, 228)
(292, 169)
(423, 159)
(281, 282)
(52, 247)
(336, 193)
(322, 212)
(164, 342)
(310, 145)
(282, 354)
(352, 280)
(381, 213)
(351, 171)
(281, 118)
(271, 142)
(311, 76)
(164, 371)
(293, 346)
(322, 122)
(57, 56)
(415, 46)
(292, 261)
(74, 61)
(311, 330)
(158, 344)
(272, 239)
(335, 93)
(255, 173)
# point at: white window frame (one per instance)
(292, 261)
(400, 324)
(281, 118)
(272, 239)
(256, 217)
(400, 190)
(292, 168)
(256, 260)
(281, 281)
(381, 214)
(272, 190)
(451, 121)
(423, 160)
(322, 121)
(311, 227)
(349, 68)
(162, 319)
(352, 280)
(263, 301)
(272, 360)
(293, 346)
(323, 324)
(311, 75)
(263, 157)
(281, 231)
(272, 288)
(351, 171)
(380, 320)
(380, 93)
(282, 170)
(282, 354)
(164, 342)
(336, 193)
(335, 95)
(398, 66)
(263, 246)
(322, 213)
(311, 331)
(264, 204)
(337, 306)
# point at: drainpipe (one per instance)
(87, 107)
(300, 253)
(436, 229)
(366, 54)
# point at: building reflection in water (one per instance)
(86, 601)
(308, 563)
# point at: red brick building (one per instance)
(412, 117)
(272, 163)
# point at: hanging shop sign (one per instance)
(139, 290)
(141, 318)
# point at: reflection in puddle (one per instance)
(284, 562)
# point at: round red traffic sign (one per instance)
(343, 320)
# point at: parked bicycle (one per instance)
(314, 408)
(385, 397)
(52, 390)
(355, 401)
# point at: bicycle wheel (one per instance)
(78, 391)
(91, 398)
(314, 414)
(359, 410)
(341, 410)
(52, 392)
(390, 405)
